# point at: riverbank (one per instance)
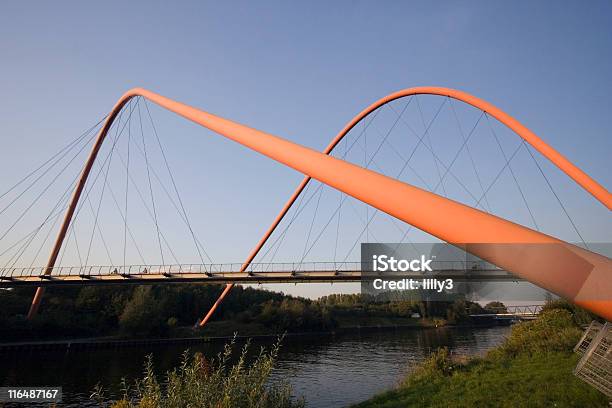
(533, 367)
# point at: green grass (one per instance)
(525, 381)
(532, 368)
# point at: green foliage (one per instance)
(363, 305)
(579, 315)
(295, 315)
(457, 311)
(143, 314)
(495, 307)
(475, 308)
(523, 381)
(553, 331)
(169, 310)
(533, 367)
(135, 310)
(198, 382)
(439, 364)
(344, 299)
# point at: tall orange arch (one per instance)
(446, 219)
(583, 179)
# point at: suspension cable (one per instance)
(68, 147)
(419, 142)
(57, 161)
(428, 139)
(145, 205)
(420, 139)
(195, 241)
(518, 186)
(19, 253)
(144, 147)
(165, 189)
(99, 229)
(35, 231)
(97, 212)
(90, 184)
(127, 183)
(556, 196)
(469, 153)
(314, 216)
(486, 189)
(369, 162)
(300, 208)
(281, 236)
(365, 158)
(440, 183)
(37, 198)
(338, 219)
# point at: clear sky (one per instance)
(300, 70)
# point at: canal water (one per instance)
(327, 370)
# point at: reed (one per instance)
(222, 382)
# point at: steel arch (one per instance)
(584, 180)
(448, 220)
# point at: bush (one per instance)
(438, 364)
(495, 307)
(198, 382)
(579, 315)
(457, 311)
(553, 331)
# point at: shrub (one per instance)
(439, 364)
(495, 307)
(579, 315)
(457, 311)
(553, 331)
(198, 382)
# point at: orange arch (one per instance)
(579, 176)
(441, 217)
(584, 180)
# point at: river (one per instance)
(328, 371)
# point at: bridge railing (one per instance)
(219, 268)
(516, 310)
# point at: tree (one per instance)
(142, 314)
(496, 307)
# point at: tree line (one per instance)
(157, 310)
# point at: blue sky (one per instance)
(300, 70)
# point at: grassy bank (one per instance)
(532, 368)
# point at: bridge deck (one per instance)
(221, 275)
